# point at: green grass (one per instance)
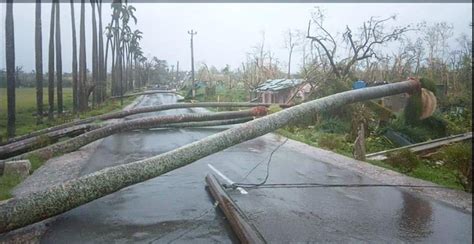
(426, 169)
(6, 184)
(26, 106)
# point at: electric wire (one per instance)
(263, 184)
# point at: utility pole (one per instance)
(192, 33)
(177, 71)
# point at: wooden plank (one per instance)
(423, 146)
(245, 231)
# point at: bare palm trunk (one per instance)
(105, 60)
(74, 61)
(59, 65)
(82, 96)
(10, 61)
(95, 64)
(102, 67)
(39, 64)
(17, 148)
(51, 65)
(34, 207)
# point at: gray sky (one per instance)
(226, 31)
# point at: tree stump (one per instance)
(359, 144)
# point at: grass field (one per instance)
(26, 107)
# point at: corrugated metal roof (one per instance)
(279, 84)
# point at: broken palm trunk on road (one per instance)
(125, 113)
(19, 147)
(207, 123)
(149, 92)
(135, 124)
(27, 209)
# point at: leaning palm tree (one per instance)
(74, 60)
(59, 63)
(39, 63)
(10, 61)
(51, 65)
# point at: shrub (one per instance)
(458, 157)
(333, 125)
(404, 160)
(331, 142)
(274, 108)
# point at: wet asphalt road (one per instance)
(175, 207)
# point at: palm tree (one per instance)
(102, 67)
(110, 30)
(10, 61)
(74, 60)
(51, 65)
(109, 35)
(95, 71)
(116, 62)
(82, 93)
(59, 63)
(39, 63)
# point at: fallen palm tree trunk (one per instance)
(144, 93)
(125, 113)
(142, 123)
(16, 148)
(34, 207)
(207, 123)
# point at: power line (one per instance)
(263, 184)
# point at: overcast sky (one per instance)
(226, 31)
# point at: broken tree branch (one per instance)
(27, 209)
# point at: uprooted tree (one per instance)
(27, 209)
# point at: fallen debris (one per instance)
(245, 231)
(142, 123)
(27, 209)
(19, 147)
(125, 113)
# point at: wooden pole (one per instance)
(245, 231)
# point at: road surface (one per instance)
(175, 207)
